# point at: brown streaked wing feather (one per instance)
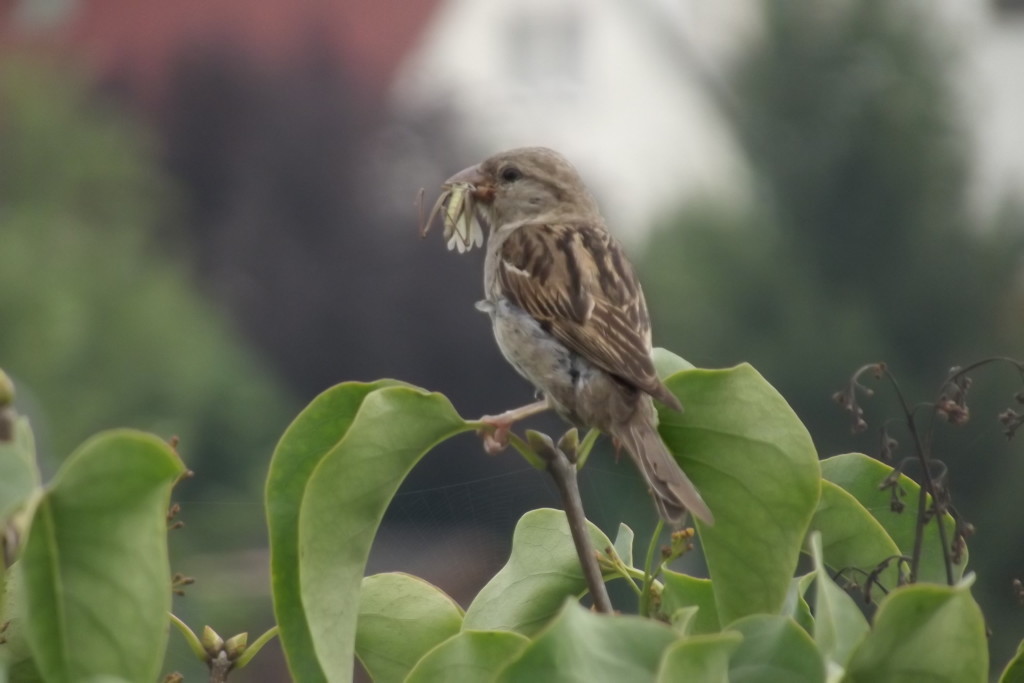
(532, 276)
(575, 280)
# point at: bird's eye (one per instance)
(511, 174)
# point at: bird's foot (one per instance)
(494, 434)
(496, 429)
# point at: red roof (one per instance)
(139, 39)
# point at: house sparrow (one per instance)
(567, 309)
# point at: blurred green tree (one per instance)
(99, 321)
(862, 242)
(861, 245)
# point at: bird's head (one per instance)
(507, 189)
(523, 184)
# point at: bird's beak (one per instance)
(474, 177)
(467, 176)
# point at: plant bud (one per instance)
(235, 645)
(6, 390)
(570, 443)
(212, 642)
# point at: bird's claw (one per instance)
(496, 429)
(495, 434)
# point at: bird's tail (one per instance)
(673, 491)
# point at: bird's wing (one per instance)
(576, 281)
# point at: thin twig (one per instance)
(928, 488)
(220, 667)
(563, 471)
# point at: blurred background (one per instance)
(207, 217)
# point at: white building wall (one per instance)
(645, 136)
(625, 96)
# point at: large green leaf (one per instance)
(401, 617)
(468, 657)
(853, 541)
(839, 625)
(542, 570)
(94, 566)
(699, 658)
(774, 650)
(923, 632)
(756, 467)
(311, 436)
(860, 475)
(583, 646)
(353, 480)
(19, 476)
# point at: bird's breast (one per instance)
(581, 393)
(531, 349)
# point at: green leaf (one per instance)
(756, 467)
(94, 567)
(190, 638)
(583, 646)
(315, 433)
(15, 653)
(851, 536)
(774, 650)
(345, 498)
(683, 590)
(699, 658)
(923, 632)
(19, 479)
(683, 619)
(468, 657)
(24, 671)
(542, 570)
(1014, 671)
(668, 363)
(860, 475)
(254, 647)
(795, 607)
(401, 617)
(624, 545)
(839, 625)
(19, 476)
(311, 436)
